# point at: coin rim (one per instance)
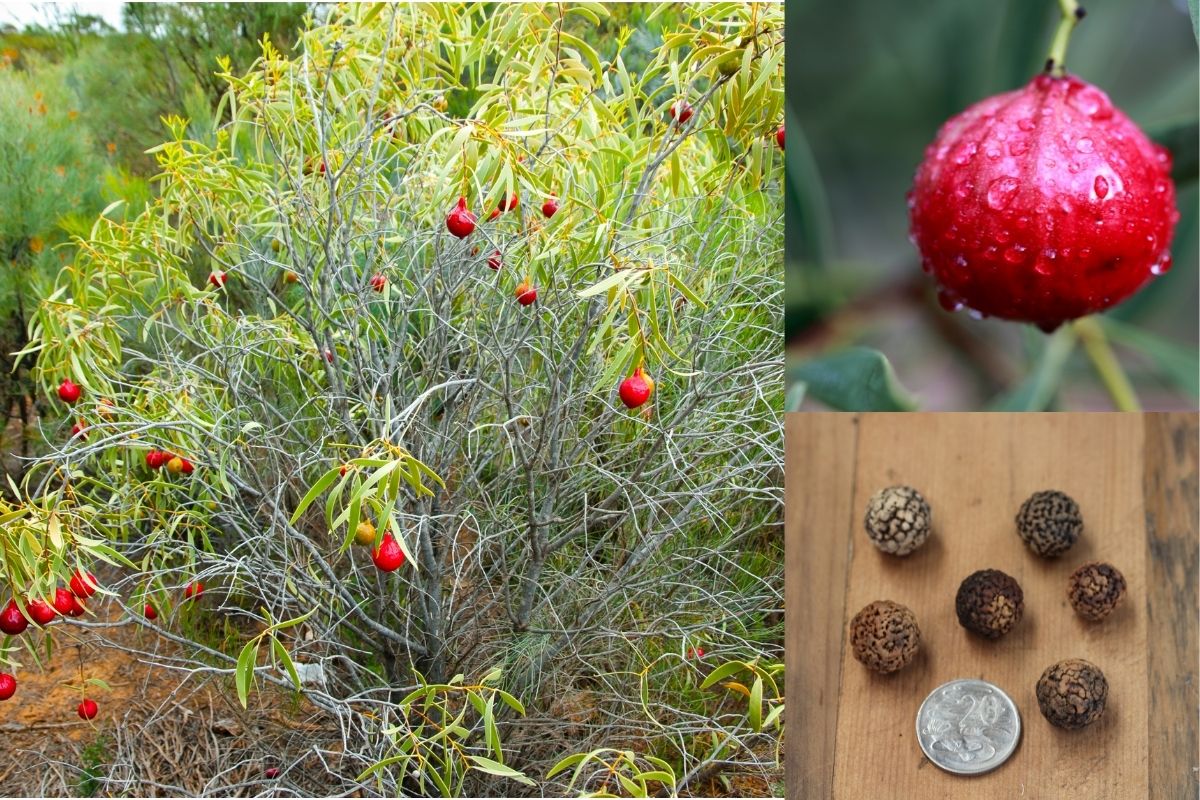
(1016, 739)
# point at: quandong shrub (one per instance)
(289, 352)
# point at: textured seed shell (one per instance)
(1095, 589)
(898, 520)
(989, 603)
(1050, 523)
(884, 636)
(1072, 693)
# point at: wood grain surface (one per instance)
(851, 731)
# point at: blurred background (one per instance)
(868, 89)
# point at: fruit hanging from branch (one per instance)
(636, 389)
(87, 709)
(12, 621)
(8, 686)
(526, 293)
(779, 137)
(681, 111)
(193, 591)
(495, 260)
(40, 611)
(149, 613)
(156, 459)
(216, 279)
(66, 603)
(550, 207)
(378, 282)
(460, 222)
(364, 534)
(69, 391)
(83, 584)
(388, 557)
(79, 429)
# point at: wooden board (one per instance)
(851, 732)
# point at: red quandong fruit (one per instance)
(460, 221)
(378, 281)
(636, 389)
(12, 621)
(41, 611)
(388, 557)
(550, 207)
(87, 709)
(495, 260)
(779, 137)
(83, 584)
(156, 459)
(8, 686)
(69, 391)
(526, 293)
(1042, 205)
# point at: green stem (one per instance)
(1107, 367)
(1072, 12)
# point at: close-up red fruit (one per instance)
(495, 260)
(149, 612)
(342, 471)
(216, 278)
(79, 429)
(460, 221)
(695, 652)
(328, 355)
(41, 611)
(83, 584)
(636, 389)
(681, 111)
(8, 686)
(1042, 205)
(271, 772)
(193, 591)
(69, 391)
(87, 709)
(550, 207)
(526, 293)
(155, 459)
(508, 205)
(378, 282)
(388, 557)
(12, 621)
(187, 467)
(779, 137)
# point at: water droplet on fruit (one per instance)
(976, 314)
(1100, 185)
(1019, 147)
(1073, 168)
(964, 188)
(910, 199)
(960, 260)
(1090, 100)
(1051, 163)
(992, 151)
(1151, 242)
(1165, 159)
(1023, 221)
(948, 300)
(965, 153)
(1001, 191)
(1085, 253)
(1025, 124)
(1015, 254)
(941, 152)
(912, 239)
(926, 265)
(1042, 267)
(1160, 186)
(1064, 203)
(1050, 253)
(1003, 236)
(1162, 265)
(1085, 145)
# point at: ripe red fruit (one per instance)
(550, 207)
(1042, 204)
(12, 621)
(681, 111)
(78, 429)
(216, 278)
(328, 355)
(156, 459)
(378, 282)
(695, 652)
(69, 391)
(636, 389)
(66, 603)
(271, 772)
(193, 590)
(149, 612)
(41, 611)
(83, 584)
(388, 557)
(460, 221)
(526, 293)
(494, 260)
(8, 686)
(779, 137)
(187, 467)
(87, 709)
(342, 471)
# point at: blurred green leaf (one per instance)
(1180, 365)
(1180, 138)
(1194, 10)
(809, 223)
(854, 379)
(1037, 391)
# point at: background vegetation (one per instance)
(591, 600)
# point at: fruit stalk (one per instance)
(1072, 12)
(1095, 343)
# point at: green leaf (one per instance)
(1180, 138)
(323, 483)
(722, 672)
(501, 770)
(285, 658)
(854, 379)
(1194, 10)
(755, 710)
(1179, 363)
(245, 670)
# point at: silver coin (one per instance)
(968, 727)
